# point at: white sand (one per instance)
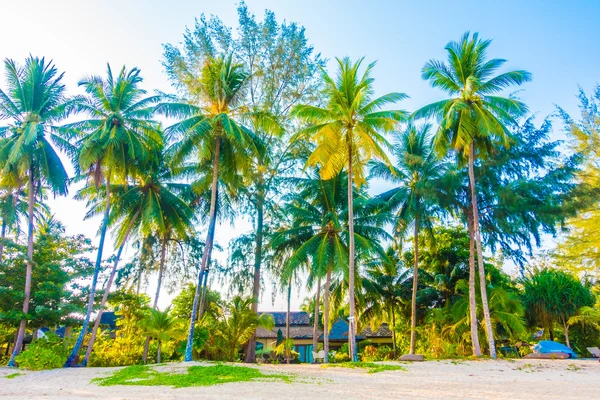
(520, 379)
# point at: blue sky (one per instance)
(558, 41)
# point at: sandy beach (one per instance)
(519, 379)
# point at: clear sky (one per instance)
(558, 41)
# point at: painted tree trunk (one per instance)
(158, 352)
(73, 357)
(316, 317)
(210, 235)
(28, 270)
(472, 295)
(2, 238)
(260, 201)
(415, 286)
(326, 316)
(111, 278)
(287, 321)
(352, 317)
(477, 234)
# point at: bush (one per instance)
(45, 353)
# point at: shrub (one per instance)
(45, 353)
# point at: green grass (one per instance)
(141, 375)
(371, 367)
(11, 376)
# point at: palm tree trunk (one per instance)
(260, 201)
(111, 278)
(161, 269)
(158, 353)
(394, 329)
(316, 317)
(73, 357)
(472, 295)
(352, 317)
(413, 312)
(287, 320)
(28, 271)
(326, 316)
(2, 237)
(477, 233)
(566, 330)
(203, 299)
(210, 235)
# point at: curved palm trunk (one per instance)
(260, 201)
(111, 278)
(472, 296)
(566, 332)
(326, 316)
(74, 354)
(393, 328)
(28, 271)
(207, 248)
(316, 317)
(352, 317)
(477, 234)
(204, 285)
(413, 312)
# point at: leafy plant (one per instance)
(48, 352)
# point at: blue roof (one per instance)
(339, 331)
(109, 318)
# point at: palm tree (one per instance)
(386, 288)
(118, 137)
(348, 133)
(317, 235)
(150, 205)
(163, 327)
(417, 171)
(209, 131)
(34, 102)
(474, 120)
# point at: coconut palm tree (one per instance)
(163, 327)
(416, 172)
(118, 137)
(317, 235)
(387, 289)
(209, 130)
(151, 204)
(347, 132)
(34, 102)
(474, 119)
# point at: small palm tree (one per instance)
(209, 131)
(162, 327)
(474, 119)
(386, 288)
(348, 133)
(417, 171)
(34, 102)
(118, 137)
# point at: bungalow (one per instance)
(301, 331)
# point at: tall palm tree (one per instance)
(318, 233)
(474, 119)
(386, 287)
(162, 326)
(118, 137)
(149, 205)
(34, 101)
(209, 130)
(348, 133)
(416, 172)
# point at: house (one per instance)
(301, 331)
